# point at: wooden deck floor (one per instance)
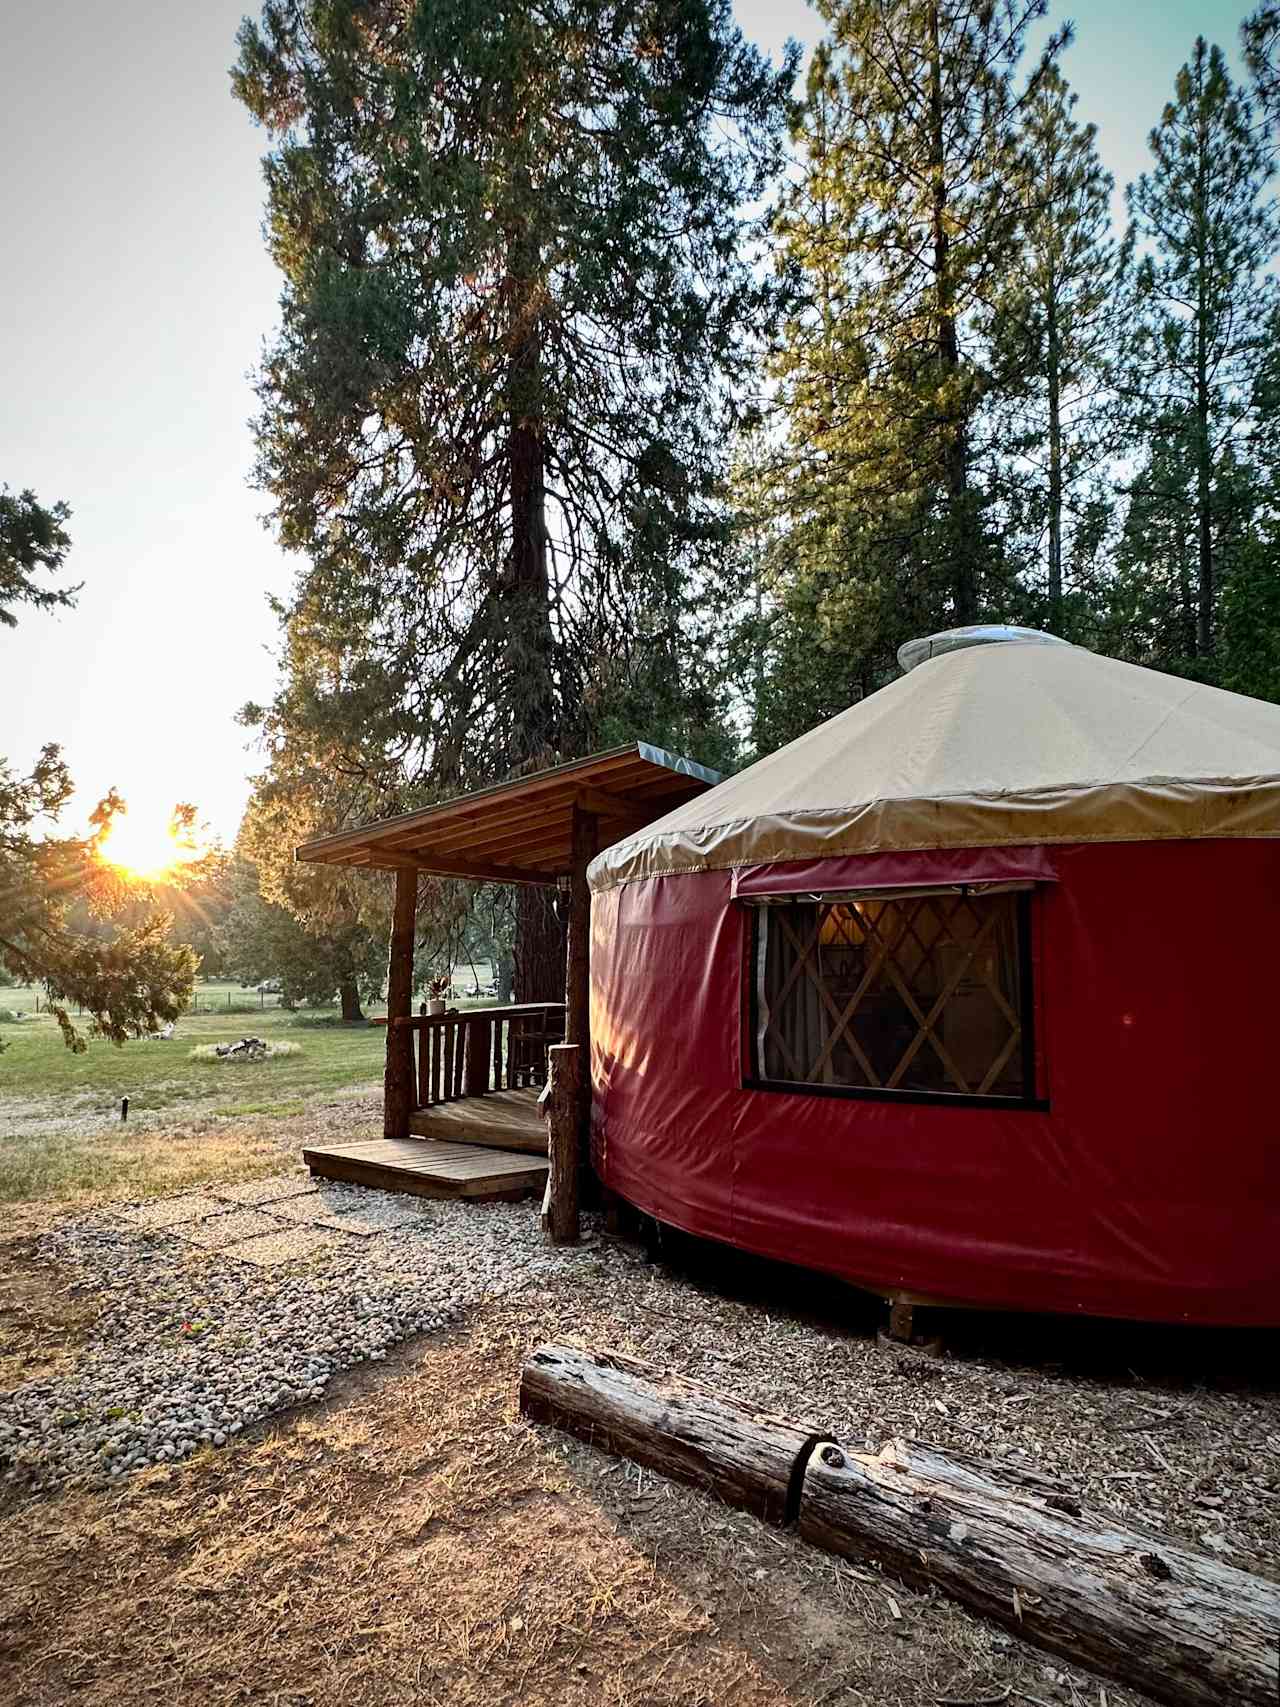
(429, 1168)
(508, 1120)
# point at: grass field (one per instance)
(60, 1133)
(153, 1074)
(190, 1118)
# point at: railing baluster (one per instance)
(424, 1078)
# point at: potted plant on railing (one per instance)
(437, 990)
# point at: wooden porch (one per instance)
(459, 1114)
(475, 1130)
(504, 1120)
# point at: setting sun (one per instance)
(147, 846)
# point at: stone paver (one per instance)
(286, 1244)
(173, 1211)
(219, 1231)
(261, 1191)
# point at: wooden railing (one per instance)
(471, 1051)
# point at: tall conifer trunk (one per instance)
(956, 454)
(1204, 470)
(1055, 467)
(530, 643)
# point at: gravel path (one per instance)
(221, 1307)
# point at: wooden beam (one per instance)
(477, 872)
(577, 972)
(604, 804)
(577, 977)
(398, 1090)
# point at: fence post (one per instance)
(559, 1103)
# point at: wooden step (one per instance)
(429, 1168)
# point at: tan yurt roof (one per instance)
(981, 744)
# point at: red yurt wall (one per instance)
(1149, 1187)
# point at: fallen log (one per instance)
(1178, 1625)
(678, 1427)
(1008, 1542)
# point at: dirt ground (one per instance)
(413, 1540)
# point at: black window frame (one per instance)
(1027, 924)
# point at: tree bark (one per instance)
(673, 1425)
(1010, 1543)
(529, 640)
(398, 1091)
(1178, 1625)
(955, 426)
(538, 974)
(349, 997)
(559, 1103)
(1204, 496)
(1055, 467)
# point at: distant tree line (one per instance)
(991, 405)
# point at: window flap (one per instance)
(941, 868)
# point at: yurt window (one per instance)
(921, 993)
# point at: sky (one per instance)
(135, 298)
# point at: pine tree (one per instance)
(131, 978)
(1260, 37)
(899, 229)
(131, 982)
(1202, 305)
(33, 536)
(1055, 333)
(261, 939)
(516, 313)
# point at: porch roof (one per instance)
(522, 831)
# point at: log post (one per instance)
(577, 986)
(398, 1090)
(577, 972)
(479, 1048)
(559, 1103)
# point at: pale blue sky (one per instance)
(135, 296)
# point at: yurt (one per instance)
(968, 995)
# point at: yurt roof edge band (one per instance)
(1125, 812)
(987, 746)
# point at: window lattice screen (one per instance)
(920, 993)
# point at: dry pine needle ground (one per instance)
(414, 1541)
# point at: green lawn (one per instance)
(61, 1138)
(60, 1135)
(37, 1064)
